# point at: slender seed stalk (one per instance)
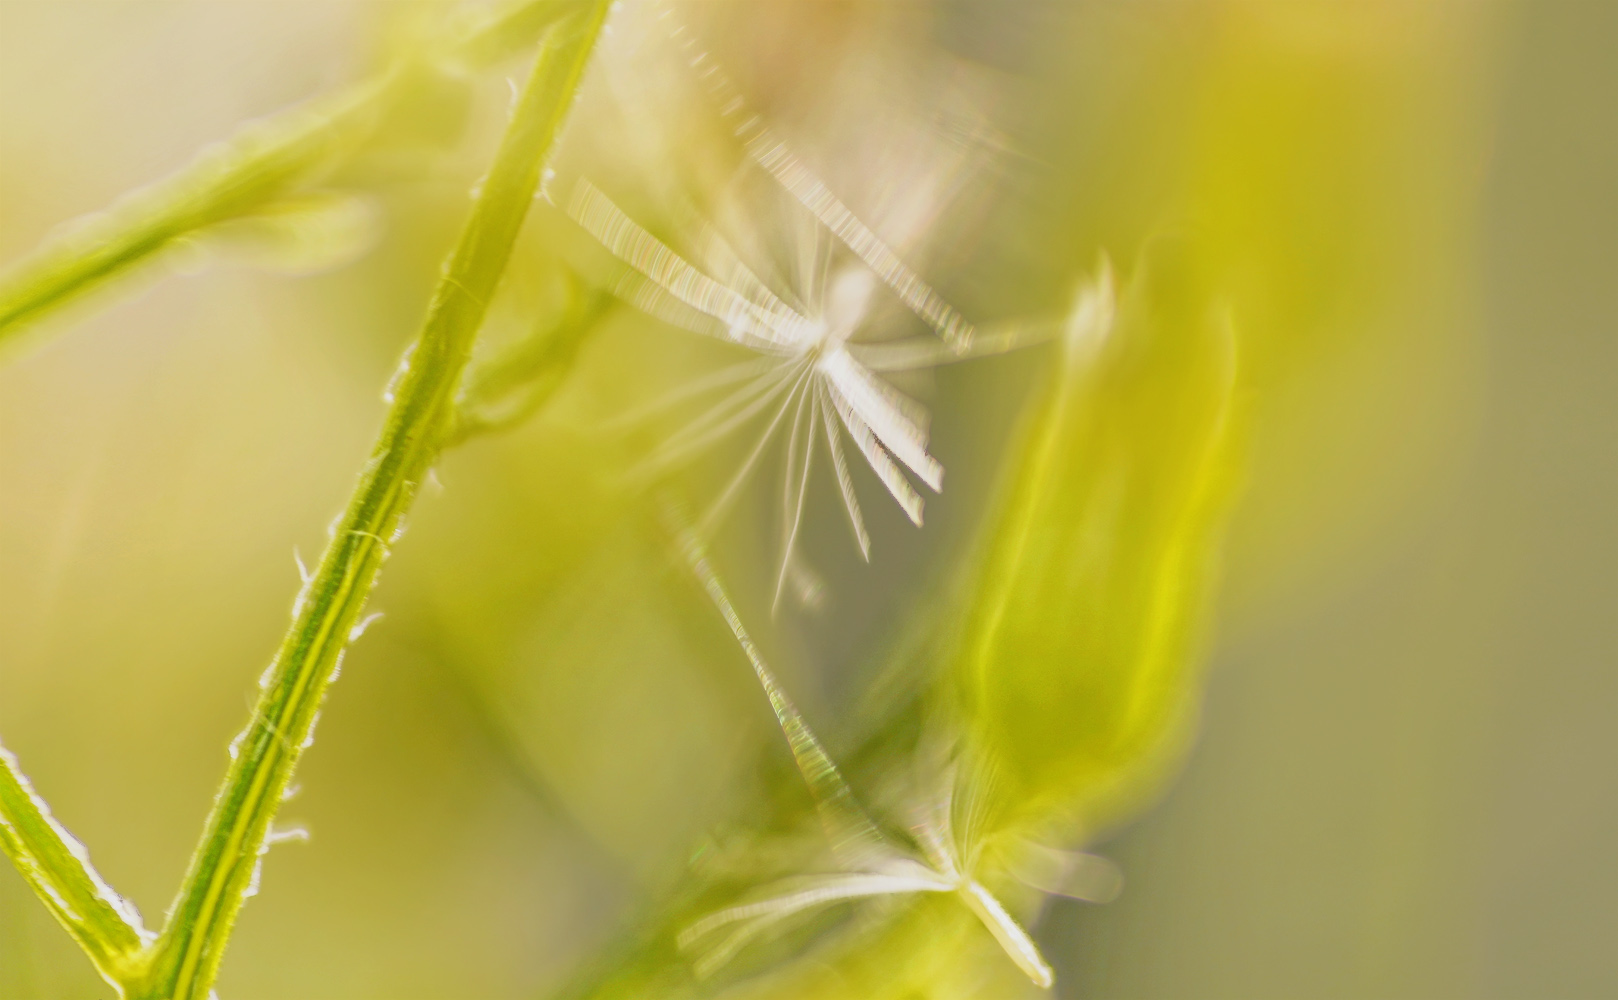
(224, 866)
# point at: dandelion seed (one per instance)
(874, 865)
(775, 157)
(819, 383)
(811, 379)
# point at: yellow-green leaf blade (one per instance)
(1079, 661)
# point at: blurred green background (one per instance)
(1404, 784)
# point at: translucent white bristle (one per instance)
(883, 465)
(890, 415)
(645, 253)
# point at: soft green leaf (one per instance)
(1078, 666)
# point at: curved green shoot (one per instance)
(262, 162)
(58, 869)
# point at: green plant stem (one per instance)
(223, 868)
(58, 869)
(263, 161)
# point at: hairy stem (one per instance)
(224, 866)
(263, 161)
(58, 869)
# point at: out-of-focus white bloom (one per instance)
(814, 381)
(819, 376)
(809, 369)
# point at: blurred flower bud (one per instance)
(1078, 666)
